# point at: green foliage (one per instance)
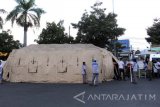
(54, 34)
(154, 32)
(26, 15)
(97, 27)
(7, 43)
(1, 19)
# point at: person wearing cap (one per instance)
(84, 73)
(95, 71)
(0, 72)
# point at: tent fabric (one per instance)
(57, 63)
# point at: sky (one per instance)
(133, 15)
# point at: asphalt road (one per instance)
(111, 94)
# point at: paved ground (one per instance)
(110, 94)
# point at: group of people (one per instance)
(95, 73)
(153, 68)
(131, 66)
(130, 69)
(121, 70)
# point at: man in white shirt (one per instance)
(0, 71)
(84, 74)
(135, 70)
(121, 68)
(95, 71)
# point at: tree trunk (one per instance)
(25, 37)
(25, 32)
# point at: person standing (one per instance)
(121, 68)
(155, 69)
(128, 68)
(135, 70)
(84, 73)
(145, 66)
(95, 71)
(158, 68)
(149, 70)
(0, 72)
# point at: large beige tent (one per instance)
(57, 63)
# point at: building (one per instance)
(126, 50)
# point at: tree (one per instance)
(26, 15)
(54, 33)
(1, 19)
(97, 27)
(7, 43)
(154, 32)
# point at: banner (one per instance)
(3, 54)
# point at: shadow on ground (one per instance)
(110, 94)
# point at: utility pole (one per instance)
(115, 39)
(130, 54)
(69, 31)
(113, 5)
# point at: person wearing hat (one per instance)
(95, 72)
